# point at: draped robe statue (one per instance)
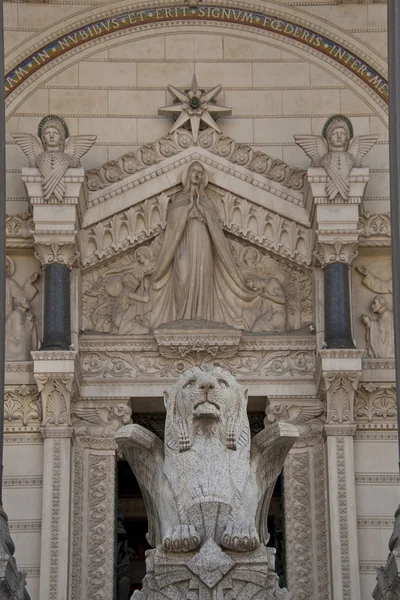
(196, 275)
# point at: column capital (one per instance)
(340, 389)
(53, 251)
(336, 251)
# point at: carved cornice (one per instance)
(95, 443)
(56, 252)
(336, 252)
(55, 390)
(216, 143)
(217, 342)
(19, 230)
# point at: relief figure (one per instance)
(127, 316)
(20, 328)
(269, 311)
(380, 331)
(374, 283)
(196, 275)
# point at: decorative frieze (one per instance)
(19, 230)
(98, 419)
(375, 402)
(374, 226)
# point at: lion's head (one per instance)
(206, 394)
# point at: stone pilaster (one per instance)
(337, 240)
(93, 526)
(54, 374)
(306, 527)
(55, 248)
(341, 371)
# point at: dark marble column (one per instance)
(337, 306)
(57, 307)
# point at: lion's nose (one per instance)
(206, 383)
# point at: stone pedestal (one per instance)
(54, 373)
(211, 574)
(341, 371)
(337, 239)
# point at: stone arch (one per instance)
(338, 52)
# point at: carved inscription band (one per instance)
(142, 18)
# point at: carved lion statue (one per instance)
(208, 480)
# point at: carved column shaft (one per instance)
(337, 306)
(92, 568)
(57, 309)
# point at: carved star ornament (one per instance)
(195, 105)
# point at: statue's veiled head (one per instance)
(53, 131)
(209, 396)
(195, 177)
(338, 132)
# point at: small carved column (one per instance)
(55, 248)
(341, 371)
(337, 240)
(54, 374)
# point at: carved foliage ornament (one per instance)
(19, 226)
(374, 225)
(100, 421)
(22, 405)
(340, 391)
(56, 252)
(55, 390)
(334, 252)
(216, 143)
(375, 402)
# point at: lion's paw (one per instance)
(240, 537)
(182, 538)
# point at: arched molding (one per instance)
(86, 48)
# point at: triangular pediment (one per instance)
(251, 205)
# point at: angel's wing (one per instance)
(145, 453)
(315, 146)
(269, 449)
(30, 145)
(302, 414)
(76, 146)
(98, 416)
(360, 145)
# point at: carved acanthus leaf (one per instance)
(336, 252)
(56, 252)
(21, 404)
(216, 143)
(55, 390)
(375, 402)
(19, 229)
(340, 390)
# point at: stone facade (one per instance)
(94, 216)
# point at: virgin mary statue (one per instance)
(196, 276)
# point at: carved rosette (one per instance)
(340, 392)
(55, 390)
(336, 252)
(53, 251)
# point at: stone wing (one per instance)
(315, 146)
(360, 145)
(97, 416)
(269, 449)
(76, 146)
(144, 452)
(30, 145)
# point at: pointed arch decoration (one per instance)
(255, 19)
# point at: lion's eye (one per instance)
(223, 382)
(188, 383)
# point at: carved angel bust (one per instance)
(53, 152)
(337, 151)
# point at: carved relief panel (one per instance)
(191, 268)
